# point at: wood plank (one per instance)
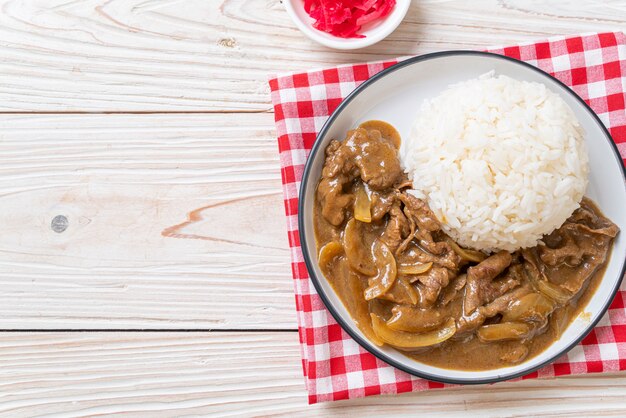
(199, 55)
(242, 374)
(131, 256)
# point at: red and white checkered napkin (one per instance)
(335, 366)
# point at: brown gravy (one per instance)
(408, 285)
(475, 355)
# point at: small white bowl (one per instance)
(374, 31)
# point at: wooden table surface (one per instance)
(144, 129)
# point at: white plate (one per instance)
(395, 95)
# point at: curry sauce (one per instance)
(409, 285)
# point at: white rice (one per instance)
(501, 162)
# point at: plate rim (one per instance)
(363, 342)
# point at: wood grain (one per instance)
(131, 257)
(175, 220)
(199, 55)
(241, 374)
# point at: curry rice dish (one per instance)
(407, 284)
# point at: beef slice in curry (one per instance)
(407, 284)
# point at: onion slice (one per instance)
(387, 272)
(405, 269)
(357, 255)
(362, 205)
(469, 255)
(412, 319)
(410, 290)
(408, 340)
(327, 254)
(553, 291)
(532, 307)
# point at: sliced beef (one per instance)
(589, 215)
(363, 154)
(584, 235)
(397, 294)
(397, 228)
(510, 280)
(376, 158)
(469, 323)
(337, 161)
(338, 172)
(381, 203)
(479, 286)
(501, 303)
(435, 277)
(412, 226)
(440, 248)
(427, 295)
(576, 242)
(453, 289)
(566, 253)
(433, 282)
(424, 217)
(609, 231)
(572, 254)
(415, 254)
(426, 227)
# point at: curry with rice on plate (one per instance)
(409, 278)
